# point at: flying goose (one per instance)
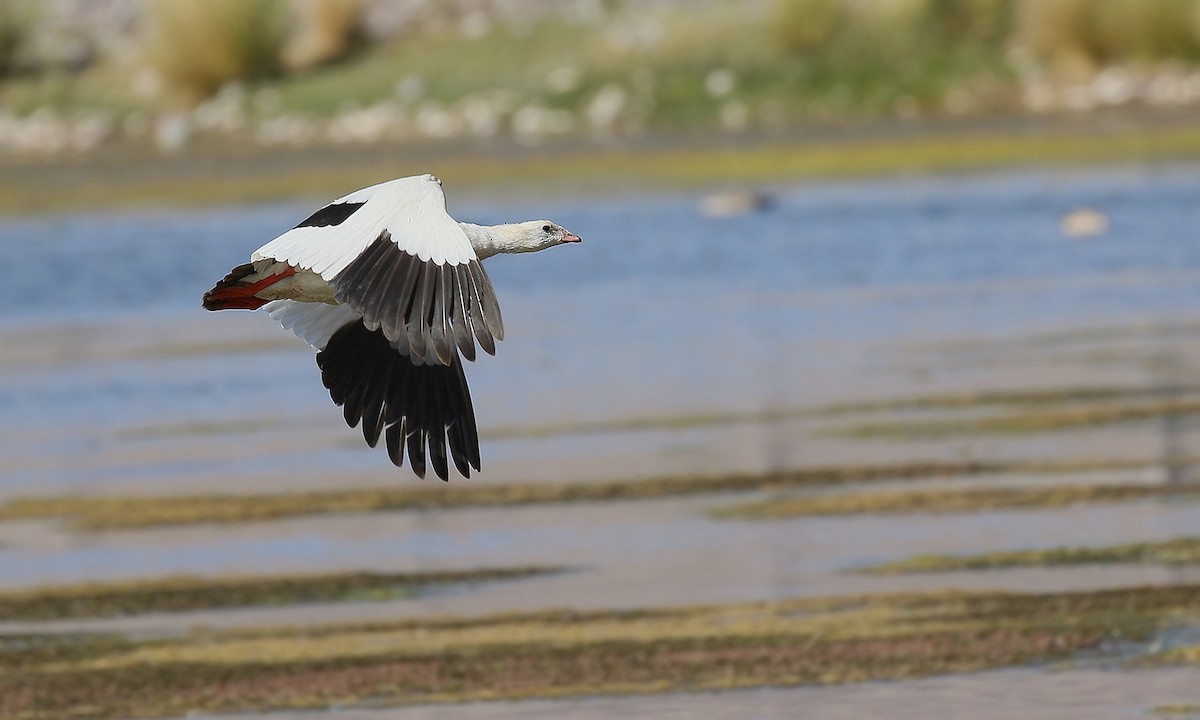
(389, 289)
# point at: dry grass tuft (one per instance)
(326, 30)
(1076, 37)
(197, 46)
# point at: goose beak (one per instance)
(569, 236)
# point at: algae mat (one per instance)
(1177, 551)
(113, 513)
(571, 653)
(182, 594)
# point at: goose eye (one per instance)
(545, 228)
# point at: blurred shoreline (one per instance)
(128, 176)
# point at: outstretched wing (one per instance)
(394, 255)
(411, 404)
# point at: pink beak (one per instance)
(569, 236)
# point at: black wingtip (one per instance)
(418, 409)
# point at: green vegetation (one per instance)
(984, 398)
(198, 46)
(950, 501)
(708, 65)
(1066, 418)
(574, 653)
(1179, 551)
(901, 55)
(28, 650)
(927, 50)
(182, 594)
(172, 181)
(111, 513)
(1176, 709)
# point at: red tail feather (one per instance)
(233, 293)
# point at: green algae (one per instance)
(129, 512)
(40, 649)
(1068, 418)
(954, 500)
(561, 653)
(182, 594)
(1178, 551)
(980, 399)
(1183, 709)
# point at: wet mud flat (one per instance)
(825, 641)
(809, 578)
(879, 495)
(1070, 694)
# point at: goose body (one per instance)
(391, 292)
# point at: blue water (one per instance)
(108, 359)
(878, 235)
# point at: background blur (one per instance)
(880, 361)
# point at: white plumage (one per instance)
(389, 289)
(413, 209)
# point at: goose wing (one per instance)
(393, 255)
(413, 405)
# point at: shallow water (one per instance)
(665, 344)
(627, 555)
(112, 373)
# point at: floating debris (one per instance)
(732, 203)
(1084, 222)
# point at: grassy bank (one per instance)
(621, 69)
(133, 179)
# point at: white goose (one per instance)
(389, 289)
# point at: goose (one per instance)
(388, 289)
